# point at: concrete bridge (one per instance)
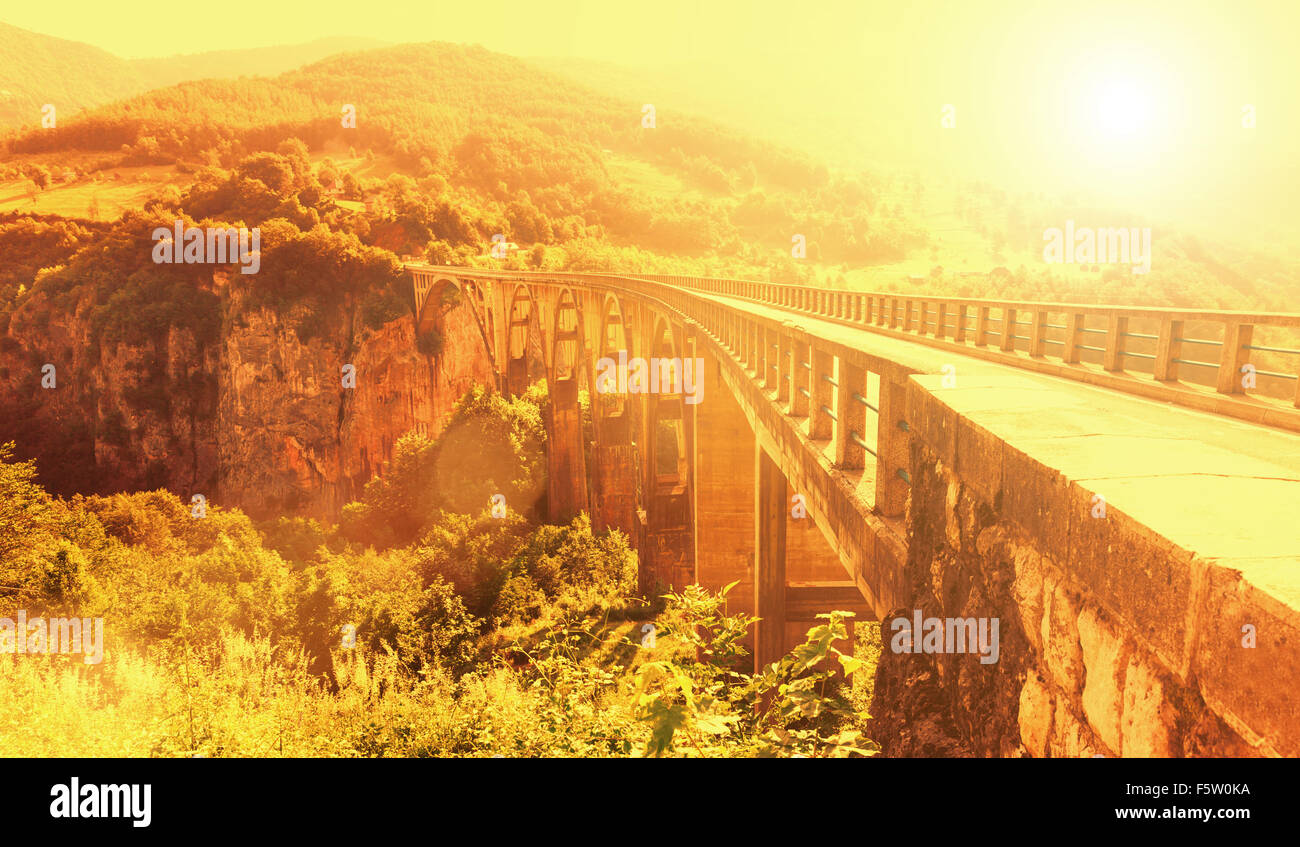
(1127, 509)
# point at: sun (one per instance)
(1121, 108)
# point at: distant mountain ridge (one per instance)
(40, 69)
(255, 61)
(73, 76)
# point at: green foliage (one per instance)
(430, 342)
(794, 706)
(490, 445)
(221, 646)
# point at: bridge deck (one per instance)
(1220, 488)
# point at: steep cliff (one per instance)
(248, 413)
(1069, 679)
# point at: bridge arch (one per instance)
(435, 294)
(567, 342)
(667, 418)
(525, 348)
(612, 339)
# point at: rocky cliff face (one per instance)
(1069, 680)
(255, 418)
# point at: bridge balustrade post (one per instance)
(1113, 357)
(868, 309)
(800, 385)
(1074, 325)
(1038, 334)
(941, 321)
(820, 423)
(1169, 348)
(893, 451)
(850, 415)
(1008, 329)
(907, 315)
(1233, 355)
(771, 368)
(784, 381)
(981, 326)
(769, 559)
(959, 323)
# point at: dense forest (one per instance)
(521, 141)
(409, 629)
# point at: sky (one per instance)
(1143, 100)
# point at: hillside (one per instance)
(256, 61)
(40, 69)
(73, 76)
(513, 134)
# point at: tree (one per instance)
(24, 511)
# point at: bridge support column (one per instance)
(769, 559)
(613, 456)
(724, 499)
(566, 464)
(516, 377)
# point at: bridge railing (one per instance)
(853, 401)
(841, 388)
(1132, 340)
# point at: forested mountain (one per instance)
(255, 61)
(551, 149)
(73, 76)
(40, 69)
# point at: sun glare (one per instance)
(1122, 109)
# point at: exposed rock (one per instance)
(1105, 659)
(1035, 715)
(256, 418)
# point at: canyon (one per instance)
(257, 418)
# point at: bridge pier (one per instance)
(769, 558)
(566, 463)
(614, 478)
